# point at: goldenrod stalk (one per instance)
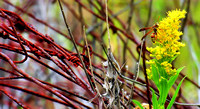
(166, 44)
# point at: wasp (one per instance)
(153, 35)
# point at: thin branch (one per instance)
(122, 76)
(107, 24)
(149, 13)
(6, 58)
(145, 74)
(15, 34)
(14, 99)
(74, 43)
(93, 78)
(185, 19)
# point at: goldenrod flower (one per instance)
(166, 42)
(149, 73)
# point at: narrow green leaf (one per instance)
(173, 78)
(154, 100)
(155, 76)
(179, 69)
(176, 93)
(138, 104)
(172, 81)
(164, 91)
(173, 58)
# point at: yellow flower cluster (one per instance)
(167, 66)
(166, 41)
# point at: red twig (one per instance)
(15, 34)
(14, 99)
(34, 93)
(6, 58)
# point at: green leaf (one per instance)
(138, 104)
(176, 93)
(155, 75)
(173, 58)
(163, 92)
(173, 78)
(179, 69)
(154, 100)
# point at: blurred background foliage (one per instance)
(49, 11)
